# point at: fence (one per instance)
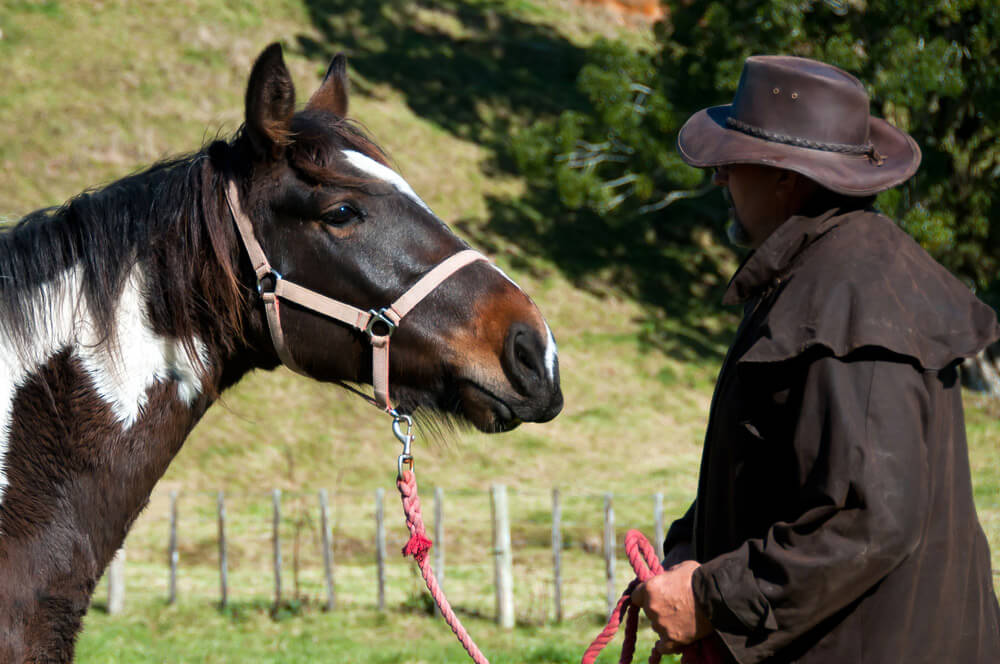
(541, 555)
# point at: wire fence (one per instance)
(566, 555)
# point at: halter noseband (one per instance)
(377, 324)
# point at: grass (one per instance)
(93, 91)
(248, 633)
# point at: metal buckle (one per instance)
(380, 317)
(273, 274)
(405, 438)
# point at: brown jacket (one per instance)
(834, 516)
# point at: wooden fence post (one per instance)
(172, 550)
(503, 572)
(380, 546)
(557, 554)
(116, 583)
(223, 552)
(276, 500)
(438, 542)
(331, 599)
(609, 551)
(658, 518)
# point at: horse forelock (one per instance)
(320, 140)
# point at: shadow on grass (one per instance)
(237, 611)
(479, 70)
(471, 67)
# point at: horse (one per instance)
(127, 311)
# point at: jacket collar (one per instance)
(768, 264)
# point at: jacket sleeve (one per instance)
(859, 448)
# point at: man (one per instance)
(834, 520)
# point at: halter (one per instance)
(377, 324)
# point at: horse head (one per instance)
(332, 217)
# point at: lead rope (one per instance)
(640, 554)
(419, 545)
(646, 565)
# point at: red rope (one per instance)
(640, 554)
(419, 546)
(646, 565)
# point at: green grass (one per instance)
(92, 93)
(248, 633)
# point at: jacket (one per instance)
(834, 518)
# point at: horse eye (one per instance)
(341, 214)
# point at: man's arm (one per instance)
(860, 451)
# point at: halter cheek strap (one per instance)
(377, 324)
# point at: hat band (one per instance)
(841, 148)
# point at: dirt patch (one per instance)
(629, 10)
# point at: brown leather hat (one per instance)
(804, 116)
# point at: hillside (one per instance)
(139, 88)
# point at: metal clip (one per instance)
(274, 275)
(405, 438)
(376, 318)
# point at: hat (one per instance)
(804, 116)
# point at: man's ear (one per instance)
(333, 91)
(789, 187)
(795, 191)
(270, 104)
(786, 182)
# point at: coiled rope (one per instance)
(646, 565)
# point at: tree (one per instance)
(932, 69)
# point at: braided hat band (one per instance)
(841, 148)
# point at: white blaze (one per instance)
(551, 353)
(383, 172)
(121, 370)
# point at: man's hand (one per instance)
(669, 604)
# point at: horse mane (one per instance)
(161, 218)
(171, 219)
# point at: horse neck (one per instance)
(91, 414)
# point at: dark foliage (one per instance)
(931, 69)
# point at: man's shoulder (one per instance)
(865, 243)
(866, 283)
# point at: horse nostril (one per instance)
(524, 358)
(527, 359)
(531, 365)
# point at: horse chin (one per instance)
(467, 403)
(487, 411)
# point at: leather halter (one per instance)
(377, 324)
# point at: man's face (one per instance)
(756, 208)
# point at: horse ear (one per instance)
(332, 93)
(270, 103)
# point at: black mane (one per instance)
(171, 219)
(166, 218)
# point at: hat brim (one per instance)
(705, 141)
